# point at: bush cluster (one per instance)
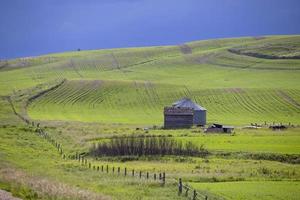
(143, 146)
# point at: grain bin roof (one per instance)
(187, 103)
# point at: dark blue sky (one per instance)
(34, 27)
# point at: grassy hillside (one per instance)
(235, 88)
(87, 97)
(143, 103)
(201, 67)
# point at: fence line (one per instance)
(194, 195)
(160, 177)
(84, 162)
(104, 168)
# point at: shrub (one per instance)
(143, 146)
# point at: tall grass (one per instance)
(143, 146)
(29, 187)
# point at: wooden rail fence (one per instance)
(189, 192)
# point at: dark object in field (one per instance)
(143, 146)
(184, 114)
(278, 127)
(219, 128)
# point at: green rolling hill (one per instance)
(83, 98)
(133, 85)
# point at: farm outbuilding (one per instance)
(184, 114)
(219, 128)
(178, 117)
(199, 112)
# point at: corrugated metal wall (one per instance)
(200, 117)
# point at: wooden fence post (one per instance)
(187, 191)
(113, 170)
(133, 172)
(164, 178)
(140, 174)
(125, 171)
(159, 176)
(97, 168)
(205, 197)
(147, 175)
(180, 186)
(106, 168)
(154, 176)
(118, 170)
(102, 168)
(194, 195)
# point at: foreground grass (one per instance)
(27, 147)
(21, 148)
(246, 190)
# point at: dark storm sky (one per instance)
(34, 27)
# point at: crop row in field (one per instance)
(143, 102)
(208, 65)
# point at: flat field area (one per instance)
(266, 190)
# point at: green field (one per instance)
(266, 190)
(143, 103)
(87, 97)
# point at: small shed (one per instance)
(199, 117)
(219, 128)
(178, 117)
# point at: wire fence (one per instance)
(183, 190)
